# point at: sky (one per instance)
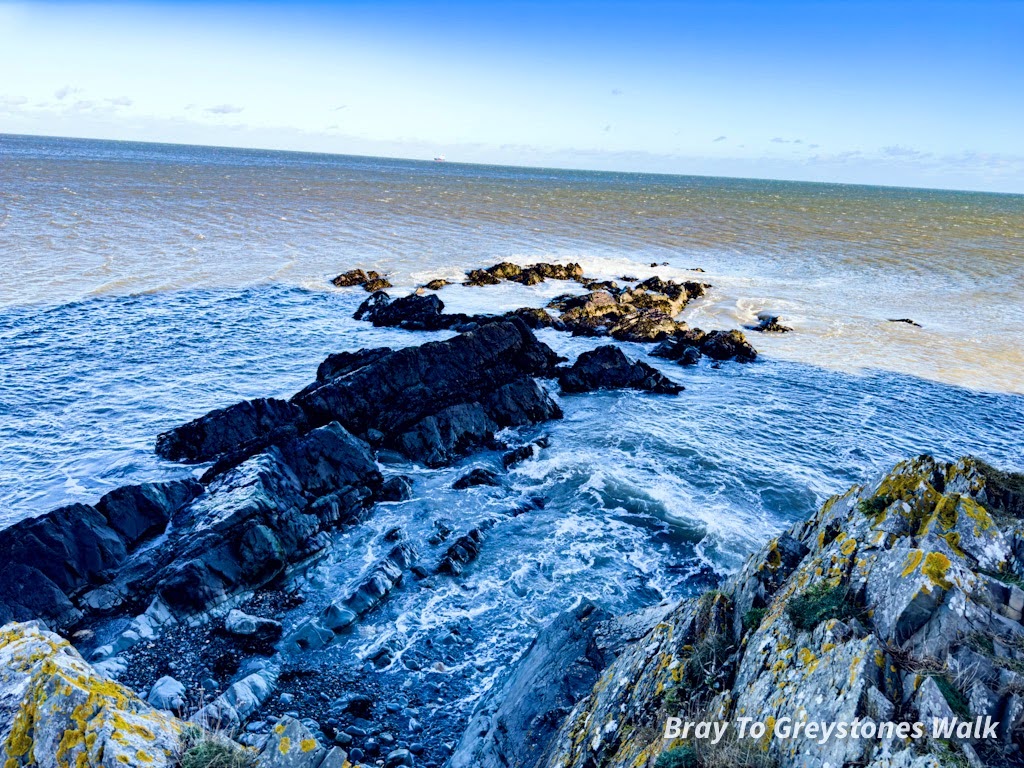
(927, 94)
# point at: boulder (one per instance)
(477, 476)
(55, 710)
(350, 278)
(436, 285)
(50, 562)
(397, 488)
(246, 625)
(769, 324)
(463, 551)
(607, 367)
(167, 694)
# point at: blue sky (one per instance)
(921, 94)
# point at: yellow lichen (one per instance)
(936, 565)
(285, 746)
(913, 560)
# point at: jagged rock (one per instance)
(462, 552)
(350, 278)
(436, 285)
(399, 758)
(769, 324)
(515, 724)
(476, 476)
(397, 488)
(256, 519)
(51, 560)
(876, 606)
(240, 700)
(477, 277)
(414, 312)
(436, 402)
(168, 694)
(374, 284)
(56, 711)
(246, 427)
(291, 744)
(520, 454)
(607, 367)
(686, 346)
(240, 623)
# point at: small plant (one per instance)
(752, 619)
(874, 506)
(212, 749)
(953, 696)
(680, 757)
(820, 603)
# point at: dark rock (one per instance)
(516, 722)
(506, 270)
(50, 561)
(399, 758)
(376, 284)
(517, 455)
(477, 476)
(607, 367)
(905, 320)
(463, 551)
(436, 285)
(397, 488)
(645, 325)
(536, 318)
(258, 518)
(769, 324)
(477, 277)
(436, 402)
(343, 363)
(728, 345)
(413, 312)
(718, 345)
(350, 278)
(247, 427)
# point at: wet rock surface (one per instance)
(643, 312)
(607, 367)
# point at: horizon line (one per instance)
(518, 167)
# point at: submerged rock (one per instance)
(371, 281)
(769, 324)
(688, 346)
(607, 367)
(477, 476)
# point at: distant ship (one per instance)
(440, 159)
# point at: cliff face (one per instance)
(898, 601)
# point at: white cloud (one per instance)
(224, 109)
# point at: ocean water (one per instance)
(144, 285)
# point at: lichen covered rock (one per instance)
(56, 711)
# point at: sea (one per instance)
(144, 285)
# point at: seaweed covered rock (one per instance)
(607, 367)
(55, 710)
(897, 601)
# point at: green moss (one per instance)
(752, 619)
(953, 696)
(680, 757)
(819, 603)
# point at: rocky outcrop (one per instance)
(51, 563)
(767, 323)
(437, 402)
(370, 281)
(607, 367)
(517, 722)
(688, 346)
(898, 601)
(56, 711)
(644, 312)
